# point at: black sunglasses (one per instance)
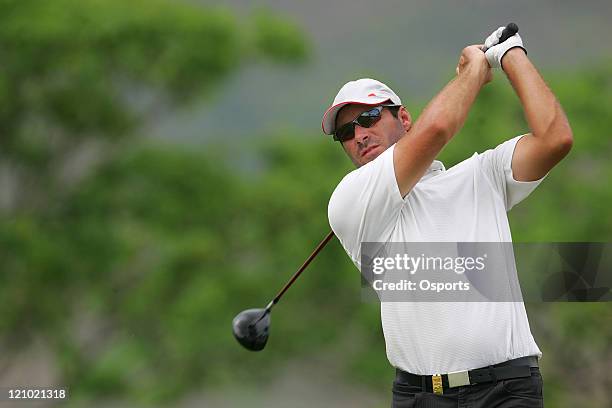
(366, 119)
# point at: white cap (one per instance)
(363, 91)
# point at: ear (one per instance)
(405, 118)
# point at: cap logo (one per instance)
(372, 94)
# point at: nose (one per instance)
(361, 134)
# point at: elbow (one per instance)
(559, 138)
(441, 132)
(565, 141)
(434, 134)
(561, 145)
(567, 144)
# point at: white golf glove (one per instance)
(495, 51)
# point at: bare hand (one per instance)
(472, 59)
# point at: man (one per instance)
(399, 193)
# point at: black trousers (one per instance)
(523, 392)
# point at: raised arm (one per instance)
(440, 120)
(551, 136)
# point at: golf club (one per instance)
(251, 327)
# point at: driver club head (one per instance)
(251, 329)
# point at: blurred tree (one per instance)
(75, 75)
(77, 79)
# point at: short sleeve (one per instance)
(365, 206)
(497, 166)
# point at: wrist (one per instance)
(476, 69)
(512, 56)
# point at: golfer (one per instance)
(447, 354)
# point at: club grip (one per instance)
(508, 32)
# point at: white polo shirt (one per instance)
(466, 203)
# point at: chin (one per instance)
(366, 159)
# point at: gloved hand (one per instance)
(496, 51)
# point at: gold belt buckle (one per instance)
(436, 384)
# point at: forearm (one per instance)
(449, 109)
(440, 120)
(543, 112)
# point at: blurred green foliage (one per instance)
(132, 266)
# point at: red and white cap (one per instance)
(363, 91)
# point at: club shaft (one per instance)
(274, 301)
(319, 247)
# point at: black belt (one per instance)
(437, 383)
